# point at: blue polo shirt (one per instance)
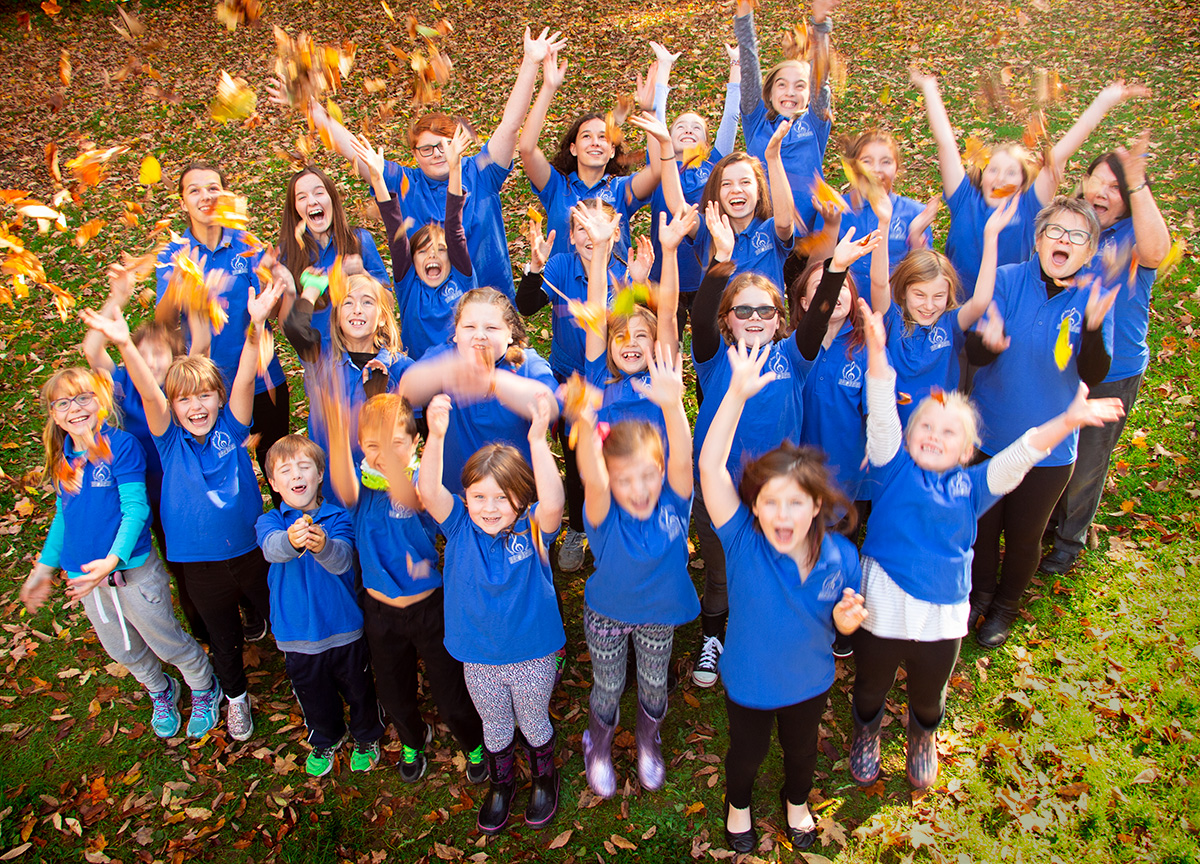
(387, 535)
(780, 632)
(835, 411)
(641, 574)
(621, 400)
(210, 497)
(483, 216)
(488, 422)
(133, 421)
(969, 213)
(758, 249)
(564, 191)
(771, 416)
(1024, 386)
(924, 357)
(231, 257)
(1131, 312)
(568, 273)
(426, 312)
(693, 180)
(312, 609)
(864, 221)
(500, 601)
(803, 150)
(922, 526)
(326, 255)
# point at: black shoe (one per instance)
(254, 626)
(672, 681)
(543, 790)
(995, 629)
(842, 646)
(799, 839)
(1058, 562)
(494, 810)
(743, 842)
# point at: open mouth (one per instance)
(783, 535)
(298, 489)
(315, 214)
(1059, 258)
(631, 356)
(433, 270)
(738, 203)
(595, 152)
(356, 321)
(198, 419)
(687, 138)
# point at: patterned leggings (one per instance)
(608, 643)
(512, 695)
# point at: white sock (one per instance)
(239, 699)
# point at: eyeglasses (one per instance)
(1076, 236)
(428, 150)
(744, 313)
(83, 400)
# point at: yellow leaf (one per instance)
(1062, 346)
(693, 809)
(387, 10)
(535, 215)
(885, 96)
(87, 231)
(150, 172)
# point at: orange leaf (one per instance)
(51, 8)
(87, 231)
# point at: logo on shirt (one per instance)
(239, 266)
(938, 338)
(851, 376)
(645, 379)
(761, 241)
(899, 230)
(451, 291)
(399, 511)
(518, 547)
(831, 588)
(959, 486)
(222, 443)
(1075, 317)
(780, 366)
(101, 476)
(605, 194)
(703, 171)
(669, 521)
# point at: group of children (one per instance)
(817, 412)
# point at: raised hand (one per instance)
(1002, 216)
(115, 330)
(653, 127)
(369, 156)
(600, 227)
(644, 90)
(916, 228)
(822, 9)
(776, 142)
(849, 250)
(1098, 305)
(720, 230)
(849, 613)
(1133, 159)
(458, 146)
(747, 362)
(641, 260)
(663, 55)
(437, 415)
(1118, 91)
(540, 421)
(1092, 412)
(553, 72)
(120, 283)
(882, 205)
(873, 329)
(734, 54)
(539, 247)
(537, 49)
(991, 331)
(919, 79)
(671, 234)
(261, 307)
(666, 379)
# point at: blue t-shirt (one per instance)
(864, 221)
(835, 411)
(372, 263)
(568, 273)
(778, 644)
(388, 537)
(310, 606)
(758, 249)
(924, 358)
(562, 192)
(922, 526)
(770, 417)
(1131, 312)
(427, 313)
(621, 400)
(483, 216)
(500, 601)
(641, 574)
(488, 422)
(231, 257)
(803, 150)
(210, 497)
(693, 180)
(133, 421)
(1024, 386)
(93, 514)
(969, 213)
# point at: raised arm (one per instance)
(154, 401)
(727, 132)
(881, 269)
(751, 78)
(456, 235)
(656, 131)
(884, 434)
(241, 392)
(783, 208)
(503, 142)
(949, 160)
(1150, 232)
(550, 495)
(297, 327)
(706, 333)
(1081, 412)
(120, 281)
(341, 137)
(438, 500)
(810, 332)
(602, 231)
(985, 283)
(646, 180)
(537, 167)
(666, 391)
(670, 235)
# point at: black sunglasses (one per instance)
(743, 313)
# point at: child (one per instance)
(917, 553)
(433, 270)
(791, 584)
(314, 613)
(100, 534)
(211, 498)
(637, 506)
(502, 618)
(403, 614)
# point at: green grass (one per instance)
(1076, 742)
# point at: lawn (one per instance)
(1074, 742)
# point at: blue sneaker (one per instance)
(206, 710)
(166, 720)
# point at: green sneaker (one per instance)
(477, 770)
(413, 762)
(365, 756)
(320, 760)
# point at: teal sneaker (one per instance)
(166, 720)
(206, 710)
(477, 770)
(413, 762)
(365, 756)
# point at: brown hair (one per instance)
(293, 445)
(505, 464)
(1114, 165)
(618, 324)
(769, 83)
(566, 162)
(300, 253)
(635, 438)
(712, 189)
(190, 375)
(199, 165)
(923, 265)
(491, 297)
(387, 331)
(385, 408)
(423, 236)
(154, 331)
(1018, 152)
(805, 465)
(69, 382)
(750, 280)
(799, 288)
(854, 147)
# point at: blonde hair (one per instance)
(1016, 151)
(387, 331)
(382, 409)
(64, 383)
(290, 446)
(512, 318)
(618, 324)
(952, 400)
(923, 265)
(635, 438)
(190, 375)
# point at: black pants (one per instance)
(750, 737)
(928, 664)
(398, 638)
(321, 681)
(1021, 516)
(216, 587)
(571, 480)
(272, 411)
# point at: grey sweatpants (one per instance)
(155, 636)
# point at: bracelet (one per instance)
(1138, 188)
(673, 157)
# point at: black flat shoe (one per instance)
(744, 841)
(1057, 562)
(799, 839)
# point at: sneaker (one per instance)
(704, 673)
(413, 762)
(166, 720)
(842, 647)
(238, 719)
(206, 710)
(320, 760)
(560, 665)
(254, 626)
(570, 551)
(477, 770)
(365, 756)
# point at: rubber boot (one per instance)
(922, 758)
(994, 630)
(493, 812)
(597, 756)
(864, 751)
(543, 792)
(651, 770)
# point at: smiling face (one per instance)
(738, 191)
(937, 437)
(1102, 190)
(755, 328)
(358, 318)
(430, 153)
(845, 299)
(488, 505)
(197, 412)
(1060, 258)
(636, 483)
(158, 357)
(632, 347)
(688, 131)
(374, 443)
(790, 89)
(879, 158)
(297, 479)
(1003, 169)
(785, 513)
(313, 205)
(591, 148)
(926, 301)
(200, 190)
(580, 240)
(432, 258)
(482, 324)
(79, 417)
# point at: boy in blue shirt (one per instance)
(315, 616)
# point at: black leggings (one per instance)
(272, 411)
(571, 480)
(750, 738)
(1021, 516)
(928, 664)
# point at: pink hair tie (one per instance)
(603, 429)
